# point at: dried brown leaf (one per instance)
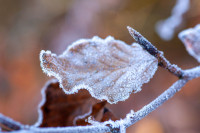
(59, 109)
(82, 120)
(108, 68)
(108, 115)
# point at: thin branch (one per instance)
(166, 95)
(169, 93)
(75, 129)
(10, 124)
(149, 47)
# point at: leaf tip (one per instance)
(48, 63)
(43, 56)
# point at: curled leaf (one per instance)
(191, 40)
(109, 69)
(58, 109)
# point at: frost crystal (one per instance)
(83, 116)
(122, 123)
(166, 28)
(109, 69)
(191, 40)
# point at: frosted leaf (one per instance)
(191, 39)
(55, 102)
(109, 69)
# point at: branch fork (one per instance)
(131, 118)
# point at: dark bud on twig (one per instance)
(143, 41)
(151, 49)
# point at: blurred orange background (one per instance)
(27, 27)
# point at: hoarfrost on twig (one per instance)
(150, 48)
(166, 28)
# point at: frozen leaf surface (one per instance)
(191, 40)
(109, 69)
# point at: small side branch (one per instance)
(149, 47)
(9, 124)
(169, 93)
(189, 74)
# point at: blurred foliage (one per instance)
(26, 27)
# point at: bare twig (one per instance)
(157, 102)
(76, 129)
(9, 124)
(162, 61)
(169, 93)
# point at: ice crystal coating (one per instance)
(122, 124)
(191, 39)
(109, 69)
(166, 28)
